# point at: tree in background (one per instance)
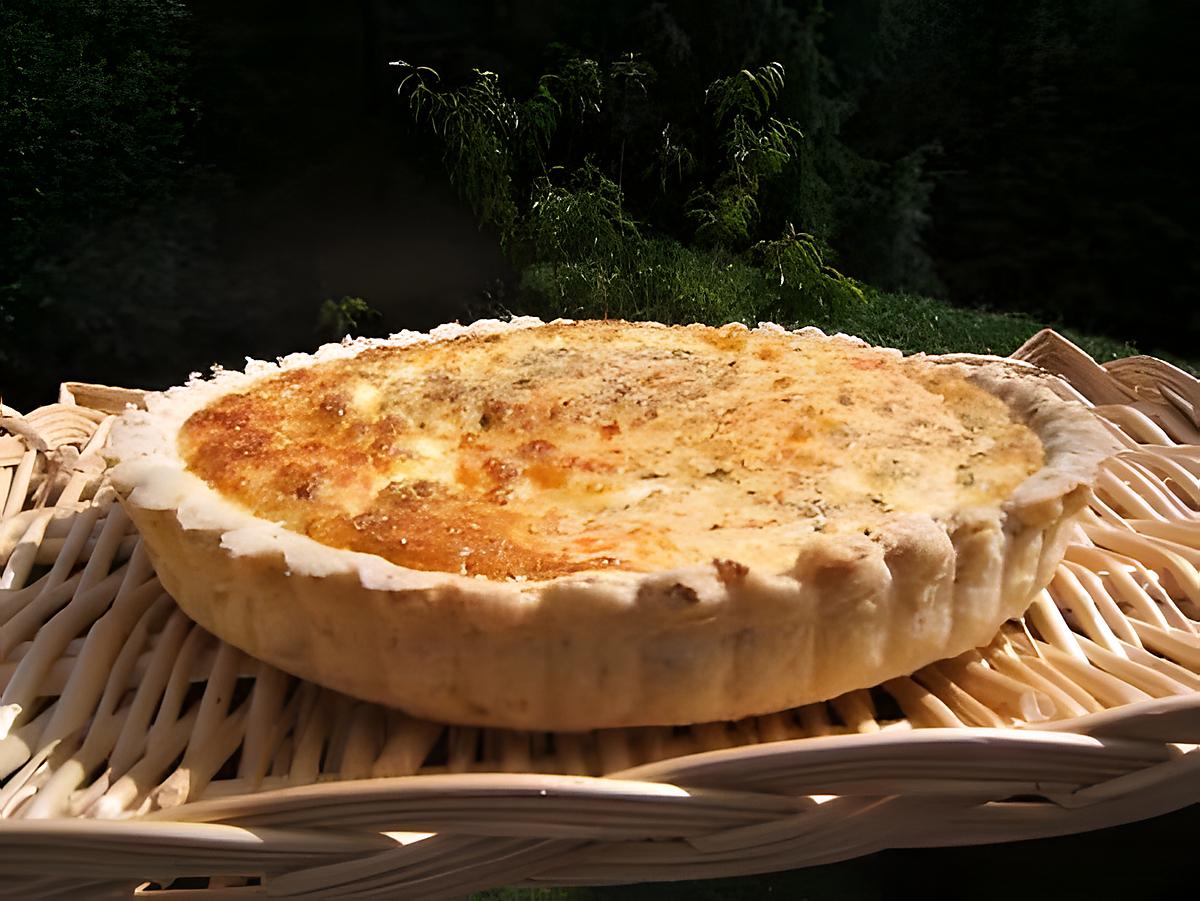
(610, 203)
(869, 212)
(1025, 156)
(1065, 184)
(92, 123)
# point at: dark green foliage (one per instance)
(347, 316)
(584, 219)
(91, 122)
(916, 323)
(483, 131)
(692, 249)
(866, 210)
(1066, 183)
(757, 147)
(806, 284)
(657, 279)
(89, 103)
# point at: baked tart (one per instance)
(578, 525)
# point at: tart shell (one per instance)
(707, 642)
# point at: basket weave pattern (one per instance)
(135, 746)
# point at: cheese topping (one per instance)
(571, 447)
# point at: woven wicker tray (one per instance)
(135, 748)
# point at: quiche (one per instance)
(580, 525)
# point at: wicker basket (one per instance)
(135, 748)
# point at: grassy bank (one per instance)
(914, 323)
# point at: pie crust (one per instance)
(730, 620)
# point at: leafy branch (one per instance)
(757, 146)
(347, 316)
(554, 174)
(746, 92)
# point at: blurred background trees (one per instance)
(188, 182)
(92, 126)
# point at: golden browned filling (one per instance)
(562, 448)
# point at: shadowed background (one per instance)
(186, 183)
